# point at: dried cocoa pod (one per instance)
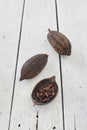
(33, 66)
(59, 42)
(45, 91)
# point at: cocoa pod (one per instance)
(45, 91)
(33, 66)
(60, 42)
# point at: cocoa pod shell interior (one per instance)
(45, 91)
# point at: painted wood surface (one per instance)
(38, 17)
(73, 23)
(23, 33)
(10, 16)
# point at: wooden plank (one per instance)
(72, 22)
(38, 17)
(10, 16)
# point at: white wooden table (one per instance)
(23, 33)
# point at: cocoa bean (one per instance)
(60, 42)
(33, 66)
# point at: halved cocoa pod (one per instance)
(45, 91)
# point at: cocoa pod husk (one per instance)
(33, 66)
(45, 91)
(60, 42)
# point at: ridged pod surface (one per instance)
(59, 42)
(33, 66)
(45, 91)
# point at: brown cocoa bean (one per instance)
(60, 42)
(33, 66)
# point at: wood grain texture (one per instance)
(10, 16)
(72, 22)
(38, 17)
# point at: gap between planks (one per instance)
(19, 41)
(74, 122)
(60, 65)
(37, 116)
